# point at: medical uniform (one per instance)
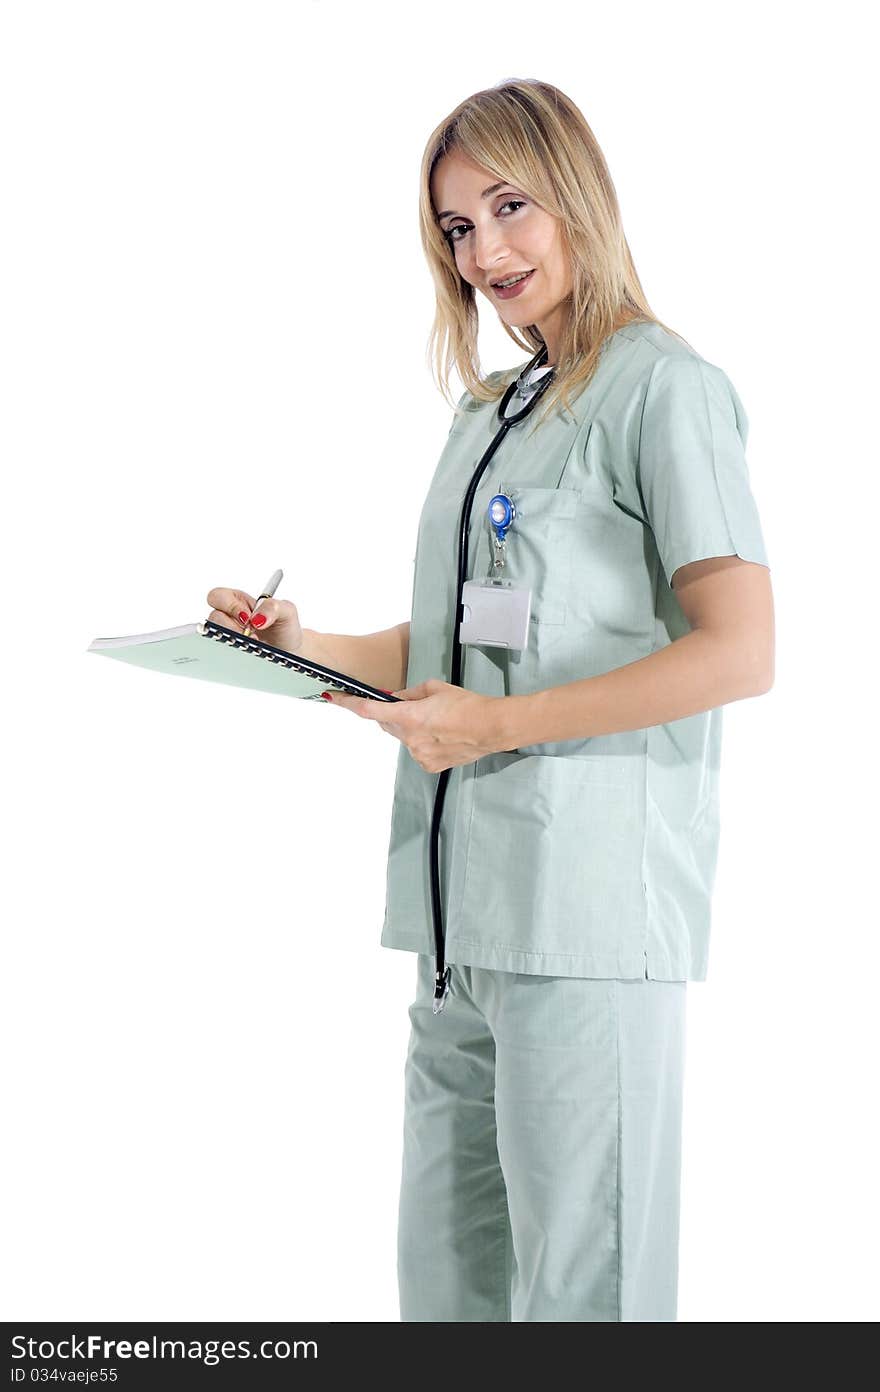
(543, 1104)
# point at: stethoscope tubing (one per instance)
(441, 972)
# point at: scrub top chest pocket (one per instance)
(537, 552)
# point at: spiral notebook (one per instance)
(210, 652)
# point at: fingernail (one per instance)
(326, 695)
(258, 620)
(243, 618)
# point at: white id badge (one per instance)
(496, 614)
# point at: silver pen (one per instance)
(268, 590)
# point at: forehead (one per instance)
(457, 180)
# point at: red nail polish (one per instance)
(243, 618)
(326, 696)
(258, 620)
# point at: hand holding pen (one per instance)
(235, 608)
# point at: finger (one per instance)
(266, 615)
(362, 705)
(374, 710)
(352, 703)
(272, 612)
(217, 616)
(230, 604)
(414, 693)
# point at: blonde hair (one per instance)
(530, 134)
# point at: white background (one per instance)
(215, 316)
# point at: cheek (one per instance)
(552, 255)
(469, 273)
(559, 273)
(462, 263)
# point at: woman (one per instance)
(543, 1099)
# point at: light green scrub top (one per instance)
(596, 856)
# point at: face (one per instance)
(495, 231)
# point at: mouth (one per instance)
(511, 285)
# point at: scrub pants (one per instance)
(542, 1148)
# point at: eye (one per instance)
(465, 227)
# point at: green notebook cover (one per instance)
(209, 652)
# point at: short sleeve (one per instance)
(692, 474)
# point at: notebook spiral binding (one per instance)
(268, 653)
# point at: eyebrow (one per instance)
(485, 194)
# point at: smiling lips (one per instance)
(506, 292)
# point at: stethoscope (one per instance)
(502, 513)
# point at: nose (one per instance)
(490, 248)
